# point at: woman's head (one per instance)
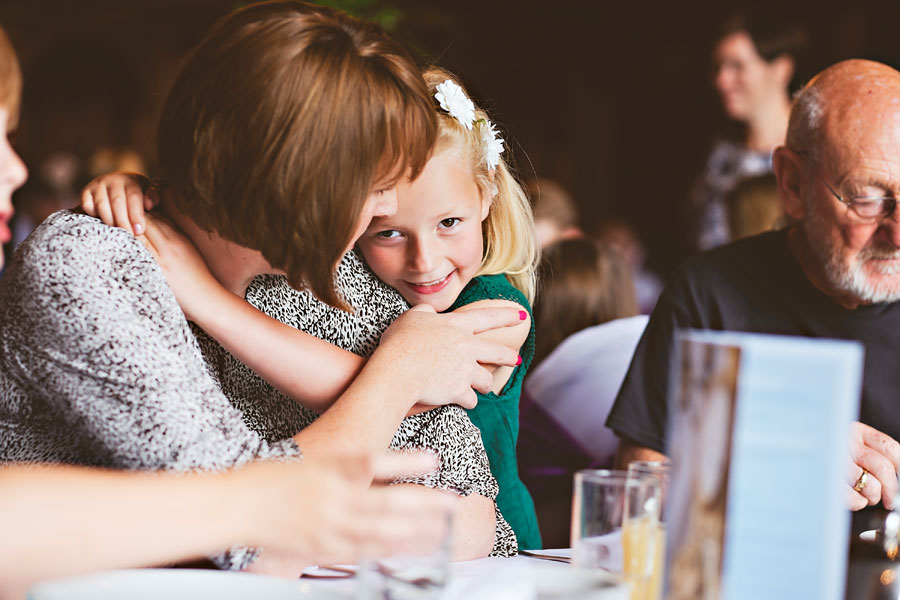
(582, 284)
(281, 127)
(12, 169)
(464, 216)
(756, 63)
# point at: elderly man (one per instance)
(834, 274)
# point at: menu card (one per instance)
(758, 430)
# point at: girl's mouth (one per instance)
(431, 287)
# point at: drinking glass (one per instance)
(614, 524)
(406, 577)
(653, 573)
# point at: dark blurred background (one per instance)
(611, 99)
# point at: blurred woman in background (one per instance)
(756, 60)
(587, 327)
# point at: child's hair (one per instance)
(10, 80)
(279, 123)
(582, 284)
(510, 245)
(754, 206)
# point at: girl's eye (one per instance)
(383, 191)
(448, 223)
(388, 234)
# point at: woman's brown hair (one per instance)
(10, 80)
(582, 284)
(279, 124)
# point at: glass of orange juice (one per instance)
(649, 575)
(614, 520)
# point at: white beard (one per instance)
(851, 278)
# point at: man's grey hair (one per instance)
(804, 134)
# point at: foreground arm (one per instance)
(59, 521)
(424, 357)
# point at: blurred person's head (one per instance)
(838, 179)
(754, 206)
(582, 284)
(755, 63)
(12, 169)
(622, 236)
(285, 131)
(555, 213)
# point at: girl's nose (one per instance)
(423, 256)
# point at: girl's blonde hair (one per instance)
(510, 244)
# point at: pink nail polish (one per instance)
(523, 315)
(519, 361)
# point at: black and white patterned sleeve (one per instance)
(464, 469)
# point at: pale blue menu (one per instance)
(758, 438)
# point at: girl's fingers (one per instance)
(87, 202)
(119, 204)
(101, 205)
(135, 202)
(151, 198)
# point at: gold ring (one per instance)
(861, 482)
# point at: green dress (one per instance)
(497, 416)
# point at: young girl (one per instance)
(462, 238)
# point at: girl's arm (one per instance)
(510, 337)
(311, 371)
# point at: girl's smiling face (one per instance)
(433, 246)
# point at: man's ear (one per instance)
(788, 167)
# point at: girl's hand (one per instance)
(120, 199)
(194, 286)
(440, 356)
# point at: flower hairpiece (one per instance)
(455, 102)
(493, 144)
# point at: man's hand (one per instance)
(879, 455)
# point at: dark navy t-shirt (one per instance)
(755, 285)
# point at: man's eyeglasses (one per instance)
(870, 208)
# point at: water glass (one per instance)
(614, 523)
(406, 577)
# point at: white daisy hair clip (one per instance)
(455, 102)
(493, 144)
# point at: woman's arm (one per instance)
(59, 521)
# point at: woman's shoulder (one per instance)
(75, 251)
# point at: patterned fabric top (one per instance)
(447, 431)
(497, 417)
(728, 163)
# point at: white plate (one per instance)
(179, 584)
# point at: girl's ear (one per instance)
(487, 196)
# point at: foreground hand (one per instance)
(119, 200)
(879, 455)
(321, 511)
(440, 356)
(194, 286)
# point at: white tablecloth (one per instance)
(519, 578)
